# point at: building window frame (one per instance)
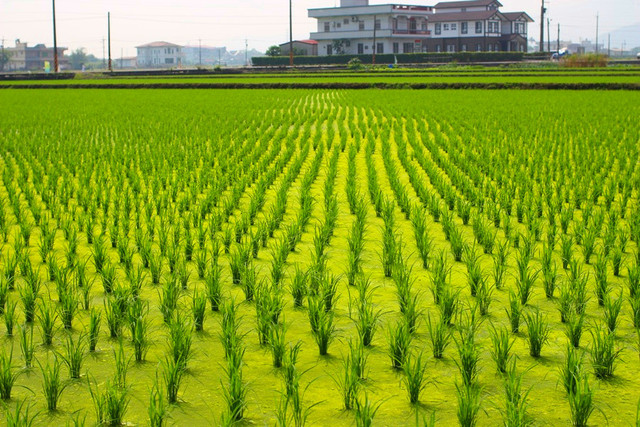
(464, 27)
(327, 27)
(479, 27)
(438, 28)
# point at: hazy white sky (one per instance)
(83, 23)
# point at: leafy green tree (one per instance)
(4, 59)
(274, 51)
(78, 58)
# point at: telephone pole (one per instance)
(609, 45)
(374, 39)
(542, 12)
(558, 45)
(597, 25)
(104, 60)
(109, 40)
(246, 52)
(548, 36)
(55, 40)
(290, 34)
(200, 51)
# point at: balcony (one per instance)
(398, 31)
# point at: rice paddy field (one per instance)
(319, 257)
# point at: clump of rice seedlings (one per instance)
(617, 258)
(52, 385)
(389, 244)
(603, 352)
(180, 340)
(439, 335)
(29, 296)
(399, 338)
(549, 279)
(277, 343)
(324, 330)
(484, 296)
(157, 409)
(588, 244)
(74, 353)
(525, 279)
(414, 376)
(229, 335)
(571, 370)
(47, 319)
(213, 286)
(581, 402)
(136, 277)
(10, 316)
(8, 375)
(448, 304)
(457, 243)
(299, 286)
(537, 332)
(235, 391)
(328, 291)
(566, 250)
(514, 312)
(21, 415)
(602, 283)
(100, 254)
(358, 358)
(108, 275)
(68, 306)
(110, 404)
(248, 282)
(26, 345)
(198, 308)
(612, 311)
(4, 291)
(155, 267)
(634, 302)
(94, 328)
(421, 234)
(348, 383)
(469, 404)
(500, 263)
(574, 327)
(516, 399)
(172, 376)
(268, 308)
(468, 353)
(474, 272)
(367, 316)
(502, 345)
(121, 363)
(85, 292)
(168, 296)
(365, 411)
(633, 279)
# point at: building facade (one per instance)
(475, 25)
(25, 58)
(203, 55)
(159, 55)
(300, 47)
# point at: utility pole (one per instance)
(375, 27)
(290, 34)
(55, 40)
(246, 52)
(609, 44)
(109, 39)
(220, 57)
(542, 12)
(200, 51)
(121, 58)
(558, 45)
(548, 36)
(597, 25)
(104, 60)
(2, 58)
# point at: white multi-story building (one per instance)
(159, 55)
(474, 25)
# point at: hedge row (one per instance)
(333, 86)
(389, 58)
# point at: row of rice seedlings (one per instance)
(366, 317)
(439, 334)
(139, 328)
(537, 331)
(424, 242)
(351, 188)
(269, 305)
(389, 243)
(322, 324)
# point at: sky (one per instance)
(259, 24)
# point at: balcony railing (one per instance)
(418, 32)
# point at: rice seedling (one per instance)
(634, 302)
(399, 339)
(157, 409)
(47, 317)
(21, 416)
(566, 250)
(414, 376)
(29, 296)
(324, 332)
(168, 298)
(549, 280)
(68, 307)
(74, 353)
(514, 312)
(367, 317)
(26, 345)
(439, 335)
(468, 353)
(617, 258)
(172, 376)
(52, 385)
(348, 383)
(8, 375)
(235, 391)
(484, 296)
(10, 316)
(299, 286)
(501, 348)
(537, 332)
(571, 370)
(421, 234)
(515, 413)
(213, 287)
(581, 402)
(95, 318)
(469, 404)
(155, 267)
(604, 355)
(612, 310)
(277, 343)
(110, 404)
(525, 280)
(574, 327)
(180, 340)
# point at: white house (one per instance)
(472, 25)
(159, 55)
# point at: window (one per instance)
(520, 28)
(361, 25)
(329, 49)
(424, 26)
(327, 27)
(407, 47)
(378, 25)
(464, 27)
(338, 25)
(478, 47)
(346, 21)
(438, 28)
(438, 48)
(463, 48)
(446, 27)
(493, 27)
(454, 27)
(497, 49)
(478, 27)
(451, 48)
(396, 48)
(489, 47)
(360, 48)
(463, 9)
(379, 47)
(168, 60)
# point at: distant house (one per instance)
(159, 55)
(301, 47)
(25, 58)
(127, 62)
(203, 55)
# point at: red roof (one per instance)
(306, 41)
